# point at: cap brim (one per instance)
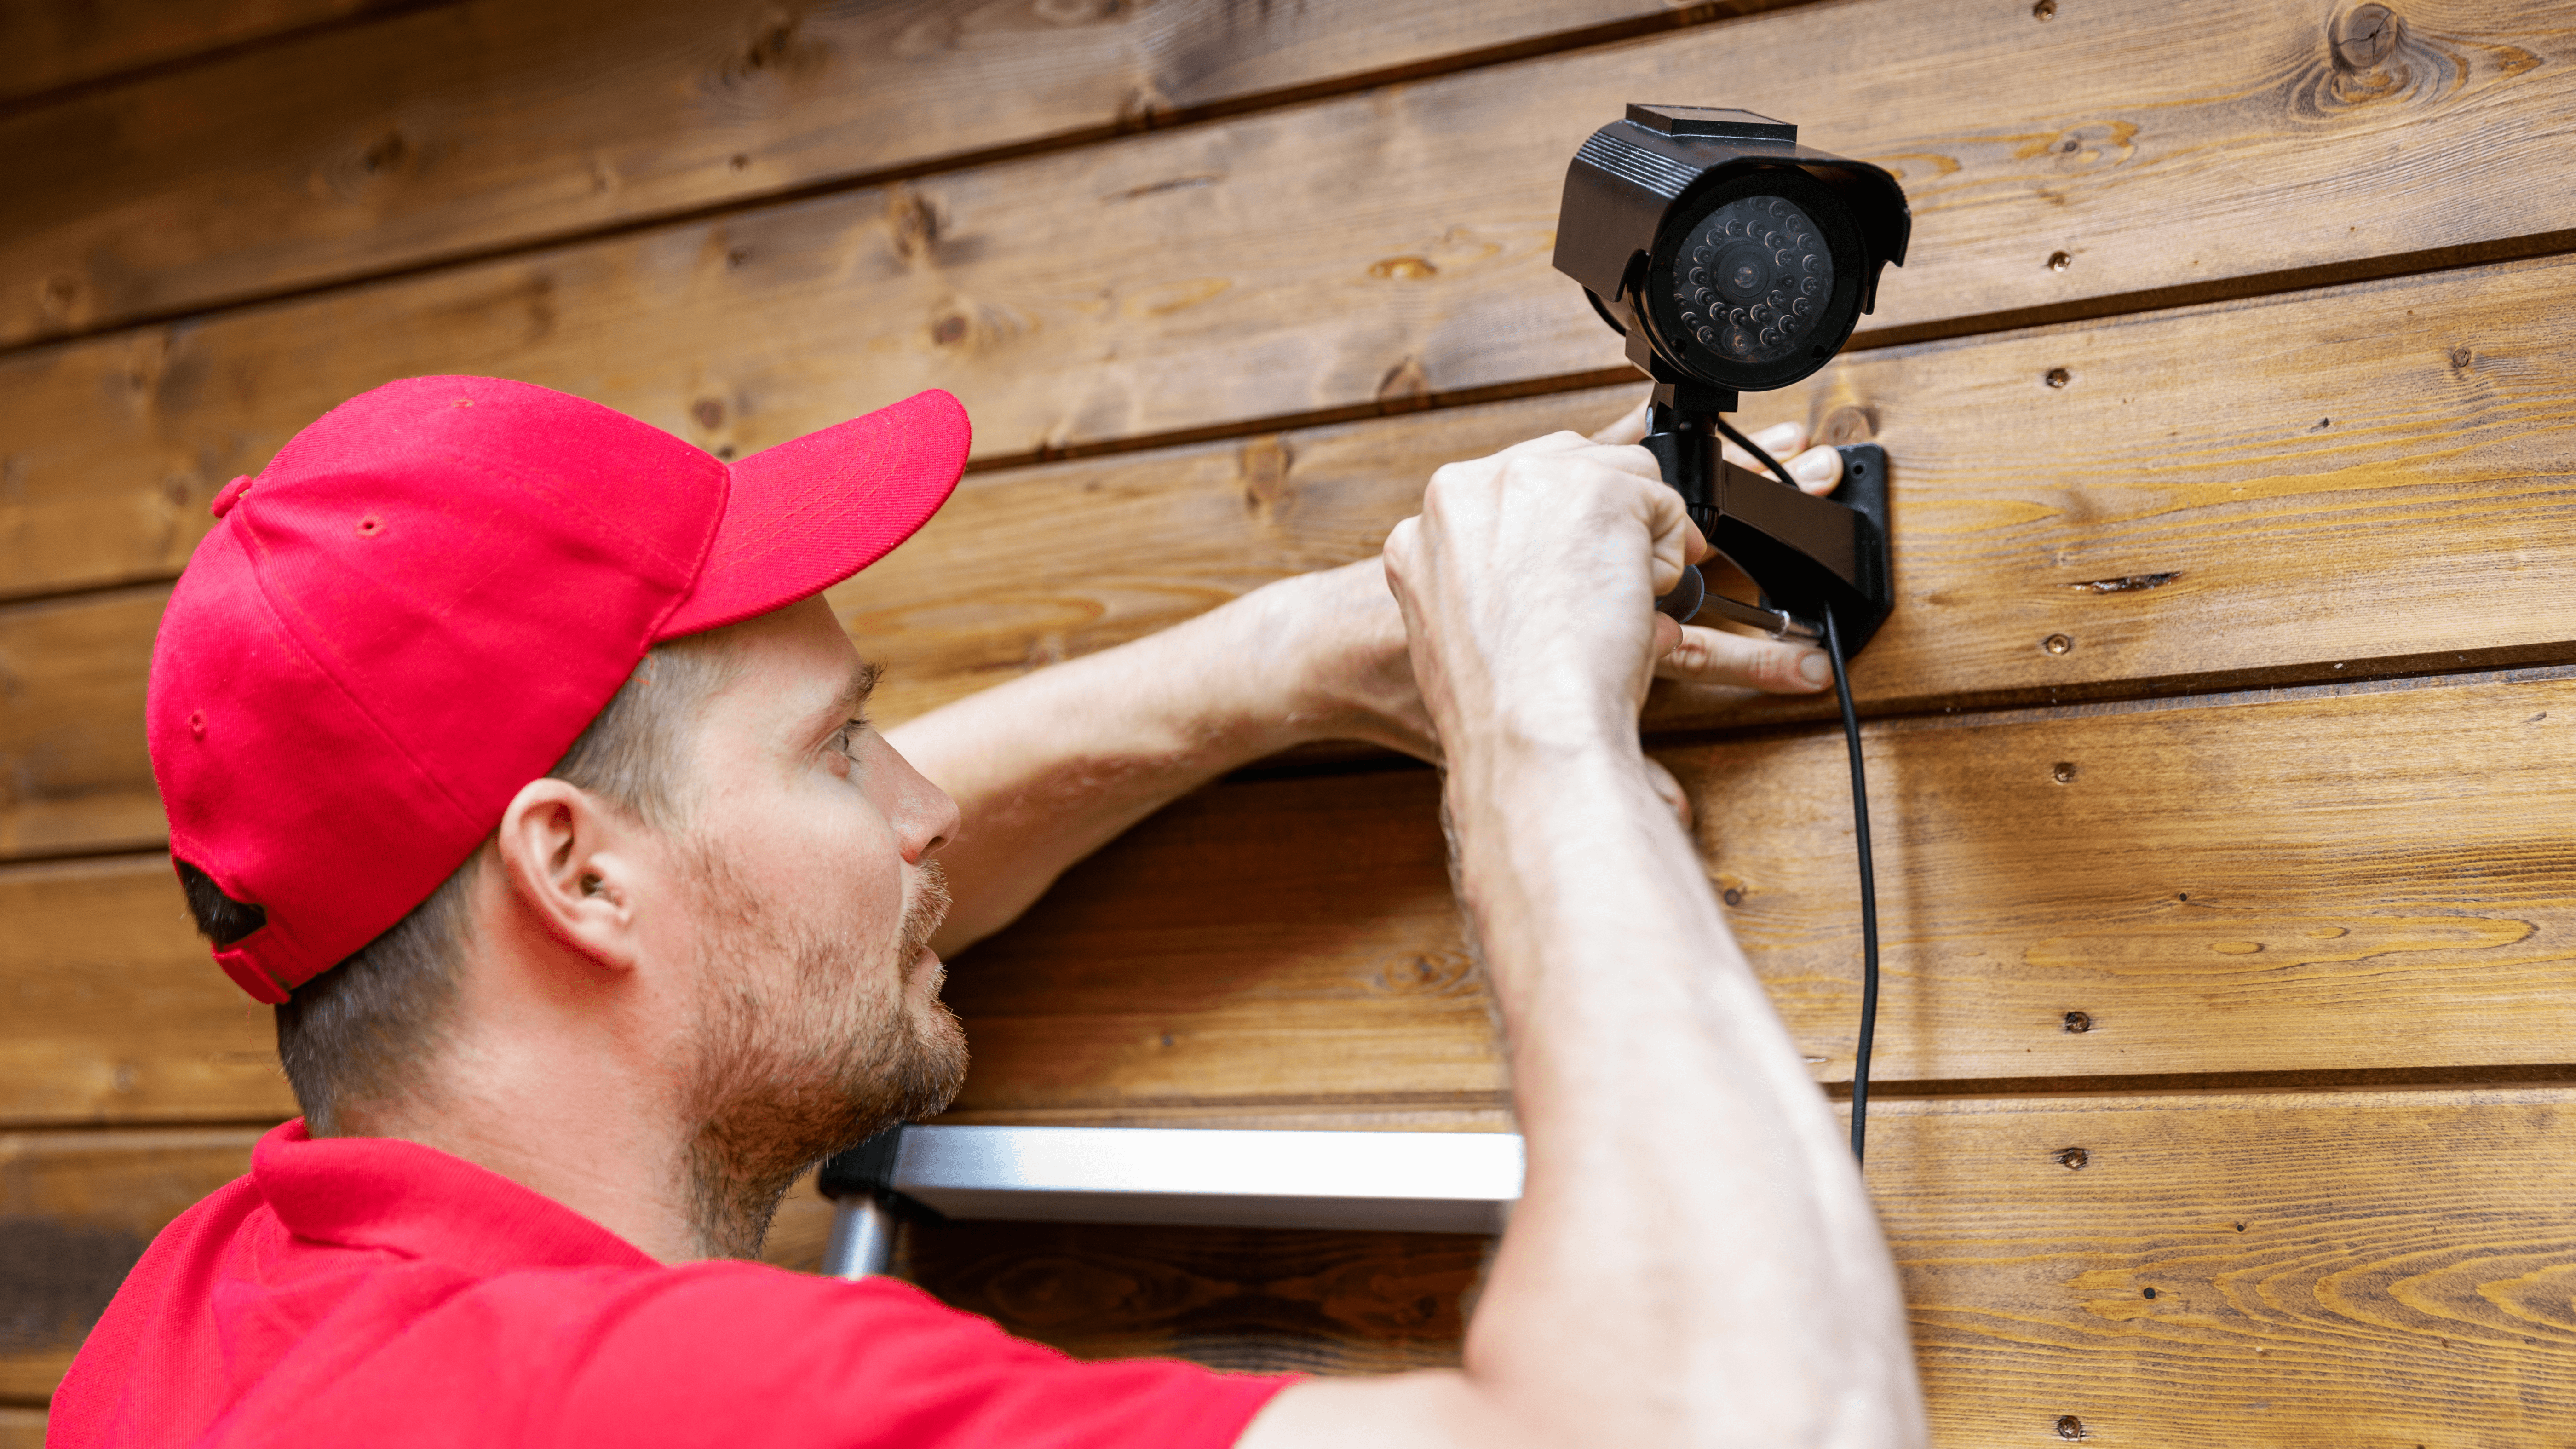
(809, 513)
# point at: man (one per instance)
(511, 754)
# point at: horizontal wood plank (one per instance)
(116, 1011)
(488, 123)
(57, 43)
(2285, 1270)
(22, 1428)
(74, 771)
(2375, 878)
(2402, 483)
(1249, 1300)
(2372, 876)
(1232, 271)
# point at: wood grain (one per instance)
(2327, 1269)
(74, 772)
(2384, 470)
(115, 1010)
(1272, 286)
(1232, 1298)
(2377, 878)
(57, 43)
(2398, 485)
(483, 124)
(22, 1428)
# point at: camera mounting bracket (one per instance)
(1808, 555)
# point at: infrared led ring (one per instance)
(1758, 267)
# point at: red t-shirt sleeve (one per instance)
(739, 1354)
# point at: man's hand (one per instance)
(1345, 643)
(1718, 656)
(1528, 584)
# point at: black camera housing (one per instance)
(1641, 188)
(1736, 260)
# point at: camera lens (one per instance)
(1754, 279)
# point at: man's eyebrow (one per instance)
(854, 692)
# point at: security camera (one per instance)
(1736, 260)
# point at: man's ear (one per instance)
(569, 859)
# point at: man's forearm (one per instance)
(1051, 766)
(1693, 1247)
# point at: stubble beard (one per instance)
(779, 1085)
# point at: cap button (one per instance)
(229, 495)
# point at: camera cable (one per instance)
(1860, 830)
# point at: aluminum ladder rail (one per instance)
(1425, 1182)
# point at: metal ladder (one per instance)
(1424, 1182)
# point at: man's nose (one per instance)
(923, 816)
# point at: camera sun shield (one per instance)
(1730, 255)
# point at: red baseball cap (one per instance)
(428, 594)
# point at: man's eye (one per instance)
(846, 738)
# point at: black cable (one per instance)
(1860, 832)
(1868, 895)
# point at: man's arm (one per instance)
(1054, 765)
(1694, 1260)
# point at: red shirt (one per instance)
(370, 1291)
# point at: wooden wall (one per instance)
(2223, 743)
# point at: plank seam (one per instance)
(1561, 42)
(1333, 759)
(12, 107)
(2253, 287)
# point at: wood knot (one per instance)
(1403, 269)
(2363, 37)
(1848, 424)
(778, 46)
(1079, 12)
(710, 412)
(1405, 387)
(912, 223)
(2460, 358)
(2073, 1158)
(2063, 772)
(2057, 377)
(948, 331)
(1264, 464)
(385, 153)
(2069, 1427)
(2078, 1023)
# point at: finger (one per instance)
(1779, 440)
(1398, 551)
(1710, 656)
(1668, 635)
(1670, 789)
(1676, 540)
(1818, 470)
(1630, 427)
(1627, 458)
(1565, 440)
